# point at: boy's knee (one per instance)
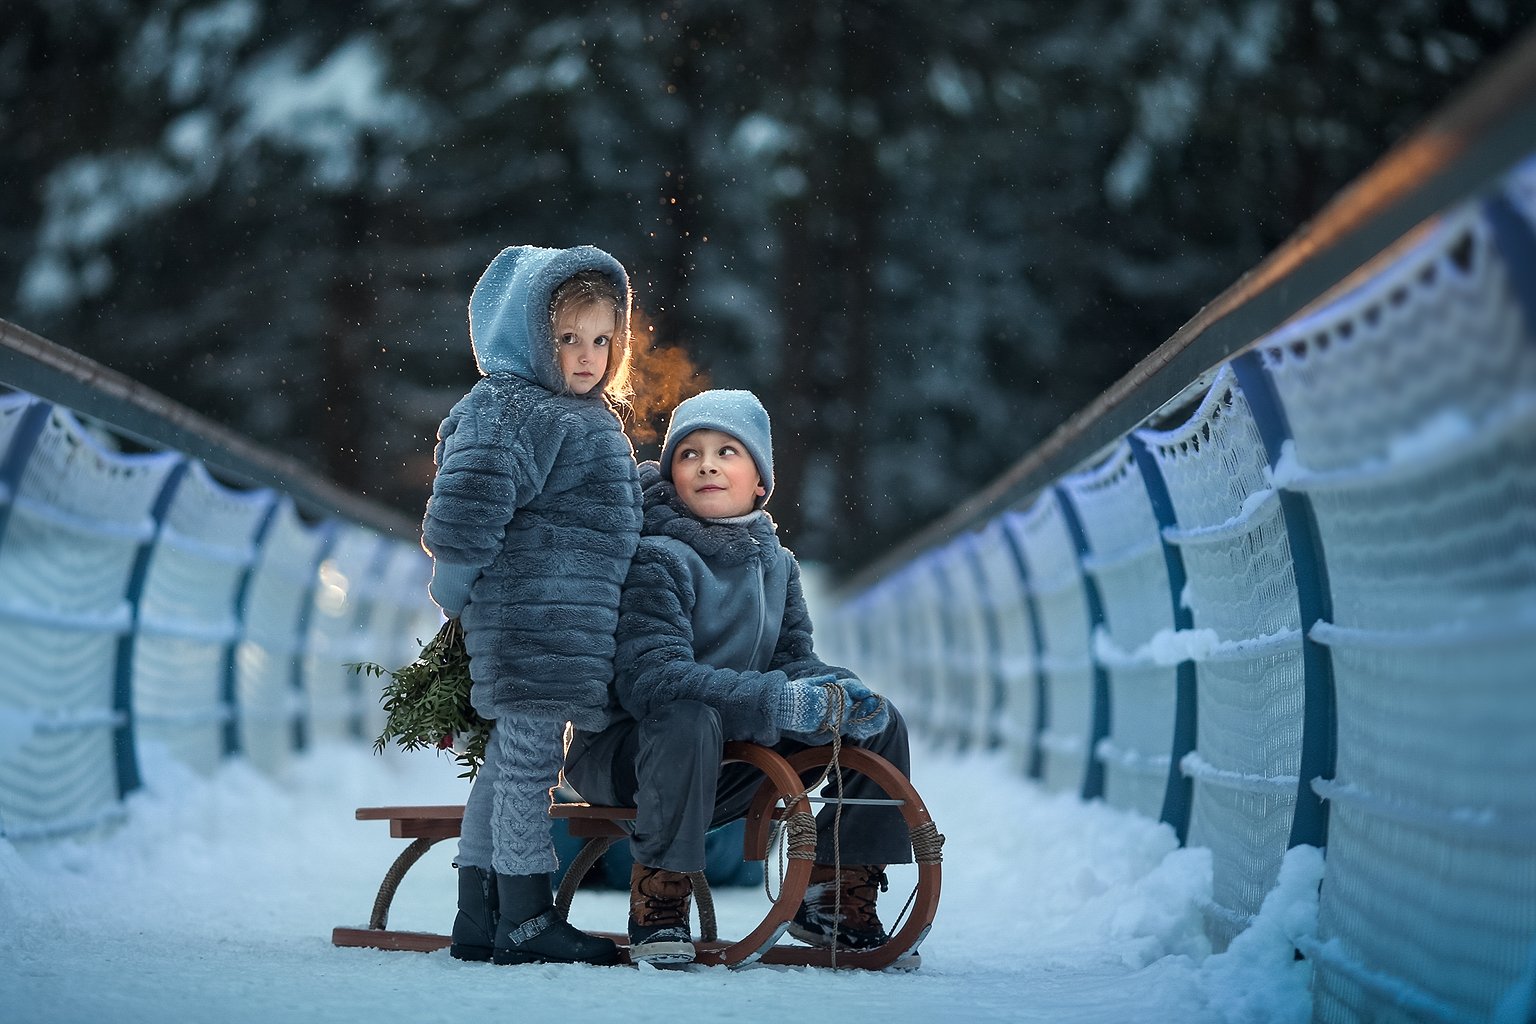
(684, 717)
(680, 744)
(893, 737)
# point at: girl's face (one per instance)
(584, 337)
(715, 476)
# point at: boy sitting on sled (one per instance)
(713, 645)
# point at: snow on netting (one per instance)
(1520, 189)
(189, 616)
(1416, 461)
(926, 657)
(854, 634)
(923, 647)
(1431, 880)
(1126, 561)
(968, 651)
(1241, 593)
(1056, 583)
(894, 647)
(277, 602)
(1413, 404)
(851, 637)
(13, 405)
(79, 516)
(1007, 600)
(396, 621)
(343, 603)
(370, 605)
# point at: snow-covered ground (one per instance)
(215, 902)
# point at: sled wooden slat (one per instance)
(586, 821)
(443, 812)
(381, 938)
(780, 796)
(440, 821)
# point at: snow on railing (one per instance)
(1296, 605)
(143, 600)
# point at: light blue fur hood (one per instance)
(509, 309)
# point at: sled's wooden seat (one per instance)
(781, 798)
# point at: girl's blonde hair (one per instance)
(595, 288)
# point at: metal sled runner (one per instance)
(780, 803)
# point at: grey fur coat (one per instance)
(714, 612)
(535, 507)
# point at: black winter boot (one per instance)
(530, 932)
(853, 926)
(474, 929)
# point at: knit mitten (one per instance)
(867, 715)
(806, 704)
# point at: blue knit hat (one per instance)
(737, 413)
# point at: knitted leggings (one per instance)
(506, 820)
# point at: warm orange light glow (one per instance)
(662, 376)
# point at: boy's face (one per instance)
(714, 475)
(584, 336)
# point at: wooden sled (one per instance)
(780, 803)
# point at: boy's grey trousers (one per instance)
(667, 766)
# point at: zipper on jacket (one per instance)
(762, 611)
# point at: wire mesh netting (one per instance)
(79, 515)
(189, 619)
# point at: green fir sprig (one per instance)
(427, 702)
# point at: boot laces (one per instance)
(661, 900)
(861, 887)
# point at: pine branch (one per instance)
(427, 702)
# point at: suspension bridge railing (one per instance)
(166, 583)
(1278, 586)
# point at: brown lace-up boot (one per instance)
(854, 925)
(658, 916)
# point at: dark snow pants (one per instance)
(667, 766)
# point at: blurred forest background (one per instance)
(924, 232)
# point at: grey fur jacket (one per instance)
(535, 507)
(714, 612)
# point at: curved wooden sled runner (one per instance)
(780, 801)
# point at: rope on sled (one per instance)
(927, 844)
(927, 848)
(379, 919)
(801, 825)
(704, 901)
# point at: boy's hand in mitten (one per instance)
(867, 715)
(804, 705)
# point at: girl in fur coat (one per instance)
(533, 519)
